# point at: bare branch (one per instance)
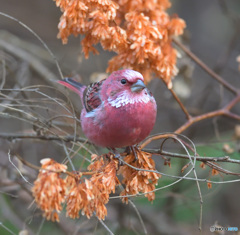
(207, 69)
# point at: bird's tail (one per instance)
(73, 85)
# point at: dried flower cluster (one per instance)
(49, 189)
(140, 32)
(139, 181)
(90, 195)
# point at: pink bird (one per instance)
(118, 111)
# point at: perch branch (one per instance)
(69, 138)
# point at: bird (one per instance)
(118, 111)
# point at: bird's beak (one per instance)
(138, 86)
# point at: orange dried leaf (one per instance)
(185, 167)
(203, 165)
(215, 172)
(167, 162)
(209, 185)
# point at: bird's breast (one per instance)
(119, 122)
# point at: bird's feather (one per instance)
(91, 96)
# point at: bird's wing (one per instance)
(91, 96)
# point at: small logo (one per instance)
(212, 229)
(232, 229)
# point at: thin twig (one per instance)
(193, 163)
(33, 61)
(3, 70)
(207, 69)
(38, 37)
(9, 158)
(136, 210)
(66, 138)
(225, 111)
(139, 216)
(54, 171)
(41, 226)
(188, 116)
(198, 158)
(106, 227)
(68, 157)
(7, 229)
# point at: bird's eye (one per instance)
(123, 81)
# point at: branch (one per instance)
(198, 158)
(67, 138)
(221, 112)
(207, 69)
(188, 116)
(224, 111)
(70, 138)
(25, 162)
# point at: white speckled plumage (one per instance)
(125, 98)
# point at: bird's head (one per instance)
(125, 87)
(127, 80)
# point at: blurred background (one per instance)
(212, 33)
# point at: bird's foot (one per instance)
(118, 156)
(128, 150)
(134, 150)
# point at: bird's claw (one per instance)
(119, 157)
(133, 149)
